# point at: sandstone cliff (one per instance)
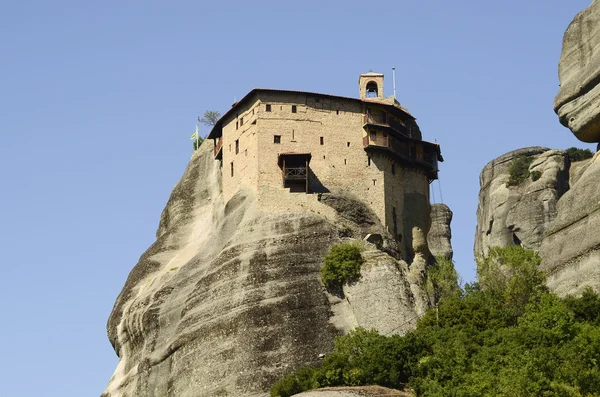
(440, 234)
(519, 214)
(229, 298)
(578, 101)
(557, 215)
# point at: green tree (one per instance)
(210, 117)
(341, 265)
(519, 170)
(576, 154)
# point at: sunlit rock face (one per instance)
(570, 249)
(229, 298)
(578, 101)
(519, 214)
(557, 215)
(440, 234)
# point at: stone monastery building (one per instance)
(282, 143)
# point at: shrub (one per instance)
(535, 175)
(519, 170)
(198, 143)
(576, 154)
(342, 265)
(442, 280)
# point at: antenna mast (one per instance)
(394, 80)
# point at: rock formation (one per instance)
(440, 234)
(519, 214)
(578, 101)
(229, 298)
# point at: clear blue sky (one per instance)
(98, 99)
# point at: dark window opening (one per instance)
(276, 138)
(293, 137)
(232, 168)
(348, 144)
(268, 108)
(241, 121)
(237, 146)
(368, 162)
(280, 107)
(374, 182)
(246, 152)
(294, 109)
(337, 112)
(321, 140)
(237, 124)
(345, 163)
(372, 90)
(323, 157)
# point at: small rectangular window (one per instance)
(322, 140)
(294, 108)
(241, 121)
(345, 162)
(337, 112)
(368, 161)
(276, 138)
(237, 146)
(268, 108)
(237, 124)
(348, 144)
(232, 168)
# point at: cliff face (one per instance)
(519, 214)
(557, 215)
(229, 298)
(440, 234)
(578, 101)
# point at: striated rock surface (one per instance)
(359, 391)
(519, 214)
(570, 250)
(440, 234)
(578, 101)
(228, 299)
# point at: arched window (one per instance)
(372, 90)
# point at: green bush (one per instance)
(198, 143)
(519, 170)
(576, 154)
(442, 280)
(341, 265)
(535, 175)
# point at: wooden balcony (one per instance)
(421, 154)
(219, 148)
(382, 120)
(294, 174)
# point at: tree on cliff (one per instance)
(210, 117)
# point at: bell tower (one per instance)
(371, 85)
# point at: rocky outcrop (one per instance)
(578, 101)
(519, 214)
(439, 235)
(570, 249)
(556, 215)
(229, 298)
(359, 391)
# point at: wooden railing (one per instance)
(295, 173)
(383, 120)
(402, 149)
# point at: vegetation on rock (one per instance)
(341, 265)
(506, 335)
(198, 142)
(442, 280)
(210, 117)
(576, 154)
(535, 175)
(519, 170)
